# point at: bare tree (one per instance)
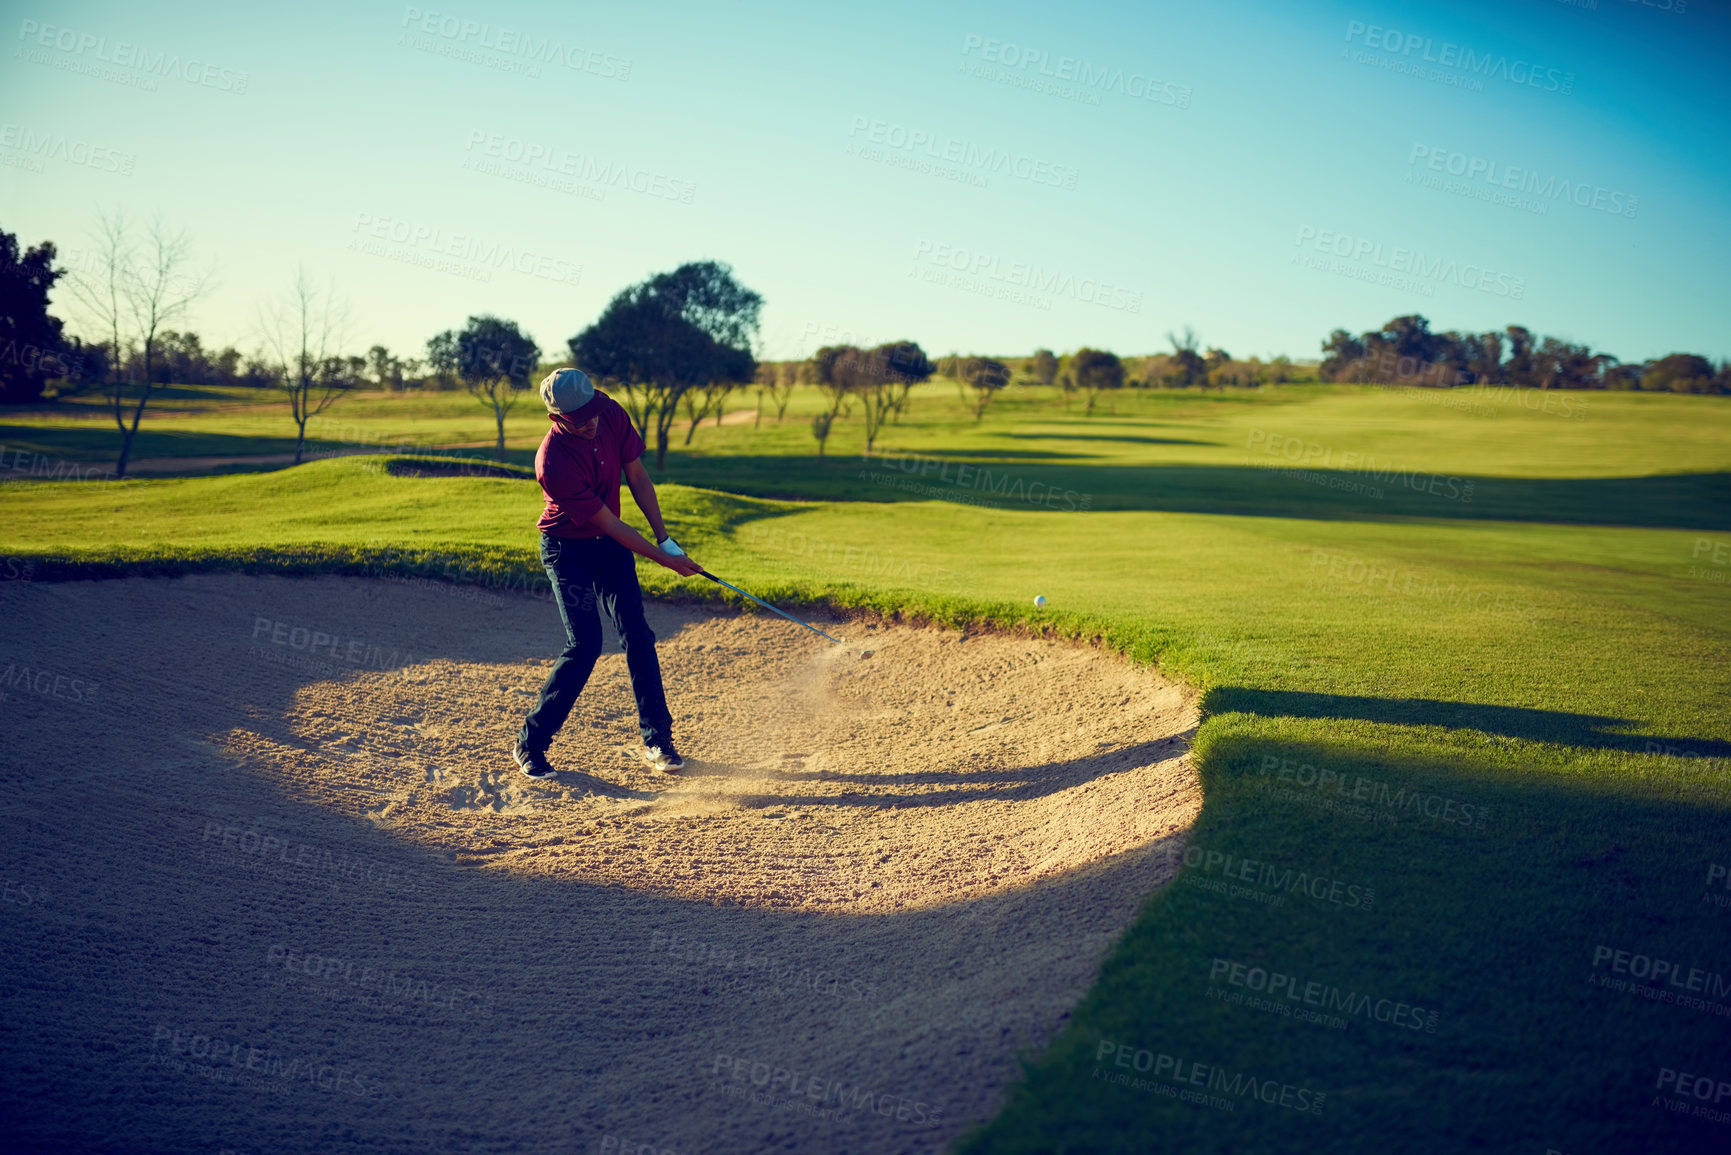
(702, 400)
(302, 332)
(781, 391)
(136, 291)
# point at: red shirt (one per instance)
(581, 475)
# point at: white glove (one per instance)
(668, 545)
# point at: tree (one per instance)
(135, 293)
(1340, 354)
(1185, 367)
(766, 375)
(837, 370)
(493, 359)
(301, 333)
(905, 365)
(1679, 373)
(880, 377)
(702, 400)
(820, 427)
(32, 349)
(985, 376)
(1218, 362)
(1044, 366)
(385, 369)
(1561, 365)
(1518, 370)
(1094, 370)
(781, 389)
(1484, 357)
(693, 327)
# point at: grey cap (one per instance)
(567, 390)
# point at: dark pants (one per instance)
(587, 574)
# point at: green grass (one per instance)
(1519, 654)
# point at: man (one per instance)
(588, 554)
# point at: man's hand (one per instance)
(679, 563)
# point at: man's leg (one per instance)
(622, 598)
(573, 578)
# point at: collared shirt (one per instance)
(580, 476)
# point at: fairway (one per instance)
(1463, 765)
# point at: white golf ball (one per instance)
(1040, 601)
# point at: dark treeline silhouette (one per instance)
(1407, 352)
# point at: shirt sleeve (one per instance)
(567, 493)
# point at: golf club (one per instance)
(767, 606)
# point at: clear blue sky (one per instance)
(1277, 132)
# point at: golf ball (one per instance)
(1040, 601)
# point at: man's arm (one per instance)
(643, 493)
(610, 525)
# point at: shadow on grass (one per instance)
(1588, 731)
(1503, 901)
(1109, 437)
(1677, 501)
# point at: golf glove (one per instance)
(668, 545)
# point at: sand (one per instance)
(274, 885)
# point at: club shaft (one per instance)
(767, 606)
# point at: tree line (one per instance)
(1406, 351)
(676, 344)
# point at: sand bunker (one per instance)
(279, 822)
